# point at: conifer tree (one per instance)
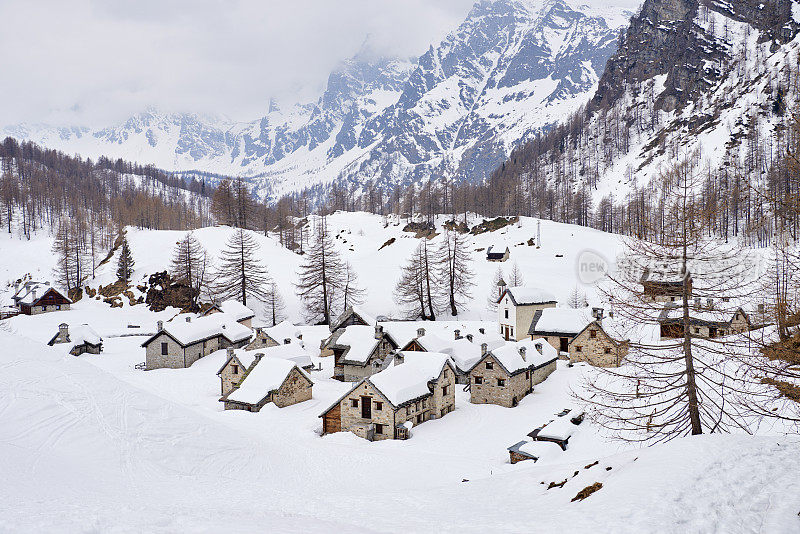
(241, 275)
(321, 277)
(125, 261)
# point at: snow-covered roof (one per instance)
(525, 295)
(662, 273)
(433, 343)
(492, 340)
(84, 334)
(540, 449)
(266, 376)
(200, 328)
(537, 353)
(236, 309)
(561, 429)
(292, 352)
(674, 313)
(560, 320)
(409, 380)
(281, 331)
(361, 340)
(357, 310)
(25, 294)
(465, 353)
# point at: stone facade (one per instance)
(594, 346)
(231, 375)
(295, 388)
(262, 341)
(541, 374)
(178, 356)
(46, 308)
(379, 359)
(491, 384)
(384, 417)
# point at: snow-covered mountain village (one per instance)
(510, 266)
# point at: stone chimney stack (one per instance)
(63, 331)
(481, 330)
(287, 340)
(399, 359)
(597, 313)
(420, 332)
(469, 338)
(484, 349)
(188, 318)
(33, 294)
(522, 351)
(709, 303)
(160, 326)
(538, 347)
(457, 333)
(259, 356)
(378, 331)
(230, 352)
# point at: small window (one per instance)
(419, 419)
(608, 350)
(424, 403)
(696, 330)
(501, 382)
(527, 375)
(378, 429)
(354, 403)
(444, 390)
(511, 331)
(236, 369)
(479, 380)
(164, 349)
(58, 306)
(490, 365)
(44, 308)
(379, 406)
(506, 314)
(579, 348)
(592, 334)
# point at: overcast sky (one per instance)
(95, 62)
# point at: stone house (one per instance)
(274, 380)
(179, 344)
(352, 316)
(237, 364)
(235, 309)
(360, 351)
(533, 450)
(664, 283)
(505, 375)
(82, 339)
(516, 308)
(283, 333)
(600, 344)
(416, 389)
(707, 323)
(33, 298)
(558, 326)
(558, 431)
(424, 342)
(495, 253)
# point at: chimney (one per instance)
(230, 352)
(457, 333)
(469, 338)
(522, 351)
(484, 348)
(761, 308)
(597, 313)
(47, 284)
(709, 304)
(223, 327)
(481, 330)
(420, 332)
(399, 359)
(287, 340)
(697, 303)
(188, 318)
(378, 331)
(33, 294)
(259, 356)
(538, 347)
(160, 326)
(63, 331)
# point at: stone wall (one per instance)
(296, 388)
(179, 357)
(540, 374)
(489, 392)
(228, 378)
(600, 351)
(351, 415)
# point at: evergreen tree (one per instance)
(125, 261)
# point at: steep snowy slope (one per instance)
(511, 69)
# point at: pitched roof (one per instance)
(24, 295)
(538, 353)
(561, 429)
(360, 342)
(206, 327)
(537, 449)
(702, 316)
(560, 321)
(359, 312)
(83, 334)
(432, 343)
(234, 308)
(281, 331)
(267, 376)
(524, 295)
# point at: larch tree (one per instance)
(515, 277)
(577, 298)
(454, 271)
(691, 382)
(352, 292)
(240, 274)
(321, 276)
(190, 264)
(274, 306)
(498, 284)
(125, 261)
(417, 288)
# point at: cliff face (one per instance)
(667, 37)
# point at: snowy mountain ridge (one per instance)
(510, 70)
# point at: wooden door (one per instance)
(366, 407)
(564, 344)
(332, 421)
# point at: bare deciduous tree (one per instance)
(241, 275)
